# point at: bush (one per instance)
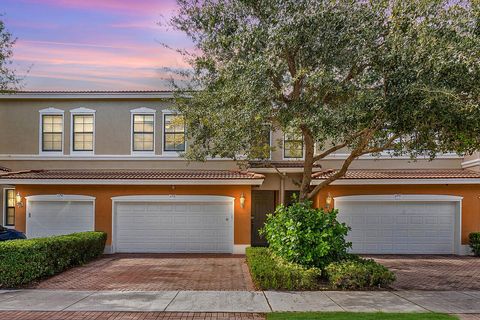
(272, 272)
(358, 273)
(22, 261)
(306, 236)
(474, 241)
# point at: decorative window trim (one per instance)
(172, 154)
(292, 158)
(4, 209)
(52, 112)
(142, 111)
(83, 112)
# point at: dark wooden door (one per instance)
(263, 203)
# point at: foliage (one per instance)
(8, 80)
(271, 272)
(308, 236)
(358, 273)
(363, 75)
(22, 261)
(474, 241)
(357, 316)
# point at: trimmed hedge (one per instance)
(358, 273)
(22, 261)
(474, 241)
(272, 272)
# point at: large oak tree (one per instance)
(8, 79)
(363, 76)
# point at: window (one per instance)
(173, 133)
(9, 207)
(143, 132)
(293, 145)
(82, 139)
(52, 133)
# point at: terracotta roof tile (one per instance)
(402, 174)
(132, 174)
(3, 170)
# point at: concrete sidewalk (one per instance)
(458, 302)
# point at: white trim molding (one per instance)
(457, 248)
(142, 111)
(82, 112)
(60, 197)
(388, 156)
(100, 157)
(471, 163)
(179, 182)
(52, 112)
(173, 199)
(172, 154)
(350, 182)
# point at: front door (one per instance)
(263, 203)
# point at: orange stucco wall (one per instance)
(470, 202)
(103, 202)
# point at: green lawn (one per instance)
(357, 316)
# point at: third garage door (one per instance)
(187, 225)
(389, 226)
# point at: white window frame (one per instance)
(290, 158)
(174, 154)
(4, 212)
(51, 112)
(82, 112)
(142, 111)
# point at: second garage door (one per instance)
(192, 224)
(407, 225)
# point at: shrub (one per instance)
(305, 235)
(272, 272)
(358, 273)
(474, 240)
(22, 261)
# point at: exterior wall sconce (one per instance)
(328, 201)
(242, 200)
(18, 200)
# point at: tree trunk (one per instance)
(308, 164)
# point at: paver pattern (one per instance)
(432, 272)
(65, 315)
(156, 272)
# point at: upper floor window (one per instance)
(9, 207)
(293, 145)
(143, 132)
(82, 138)
(173, 133)
(52, 133)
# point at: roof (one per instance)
(98, 176)
(3, 170)
(354, 174)
(88, 94)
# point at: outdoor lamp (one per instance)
(329, 200)
(242, 200)
(18, 200)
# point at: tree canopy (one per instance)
(365, 76)
(8, 80)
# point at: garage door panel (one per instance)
(174, 227)
(399, 227)
(49, 218)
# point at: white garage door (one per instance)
(386, 226)
(183, 224)
(57, 215)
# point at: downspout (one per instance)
(282, 187)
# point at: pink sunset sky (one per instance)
(93, 45)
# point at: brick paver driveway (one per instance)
(430, 272)
(156, 272)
